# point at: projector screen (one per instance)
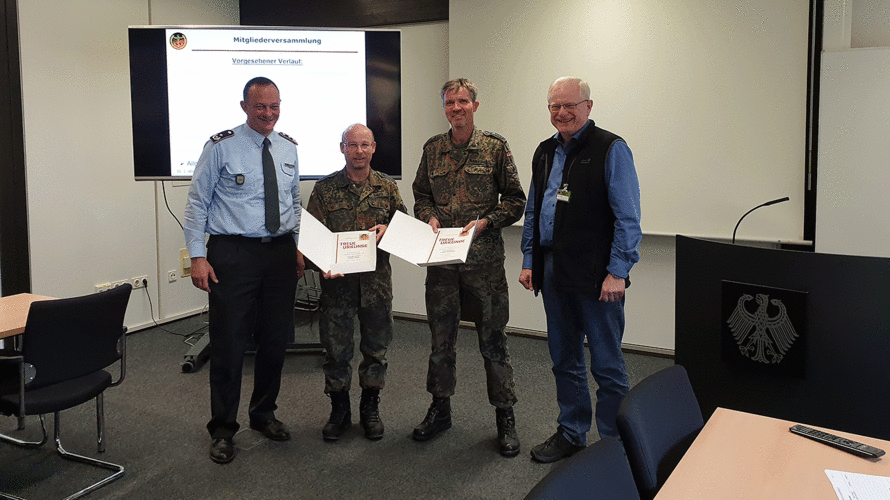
(186, 84)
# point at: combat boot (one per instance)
(369, 415)
(508, 441)
(341, 417)
(438, 418)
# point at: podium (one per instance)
(841, 339)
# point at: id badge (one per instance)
(563, 194)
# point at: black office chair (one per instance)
(66, 348)
(658, 420)
(599, 471)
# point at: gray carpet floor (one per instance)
(156, 418)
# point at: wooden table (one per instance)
(14, 312)
(741, 455)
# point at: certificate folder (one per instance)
(414, 241)
(340, 253)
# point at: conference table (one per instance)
(14, 312)
(742, 455)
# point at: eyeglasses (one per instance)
(352, 146)
(554, 108)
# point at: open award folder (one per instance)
(340, 253)
(410, 239)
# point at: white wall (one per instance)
(870, 23)
(854, 153)
(710, 96)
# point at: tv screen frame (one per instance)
(328, 79)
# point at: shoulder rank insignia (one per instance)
(435, 138)
(495, 135)
(291, 139)
(225, 134)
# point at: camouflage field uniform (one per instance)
(456, 185)
(341, 205)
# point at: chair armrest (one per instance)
(122, 346)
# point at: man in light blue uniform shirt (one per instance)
(580, 240)
(250, 265)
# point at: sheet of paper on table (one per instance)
(414, 241)
(340, 253)
(853, 486)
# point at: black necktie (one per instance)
(270, 182)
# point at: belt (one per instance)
(237, 238)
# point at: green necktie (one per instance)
(270, 182)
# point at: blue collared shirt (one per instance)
(624, 198)
(226, 195)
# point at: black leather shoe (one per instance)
(438, 418)
(508, 441)
(222, 450)
(273, 429)
(555, 448)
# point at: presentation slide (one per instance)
(320, 76)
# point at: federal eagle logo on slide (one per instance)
(178, 41)
(761, 337)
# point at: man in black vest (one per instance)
(580, 239)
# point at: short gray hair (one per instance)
(455, 85)
(585, 88)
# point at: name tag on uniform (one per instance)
(563, 194)
(239, 179)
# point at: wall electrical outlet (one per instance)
(139, 281)
(185, 263)
(171, 276)
(108, 286)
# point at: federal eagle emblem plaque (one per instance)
(764, 329)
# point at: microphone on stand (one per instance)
(780, 200)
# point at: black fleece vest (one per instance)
(584, 228)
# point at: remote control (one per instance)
(863, 450)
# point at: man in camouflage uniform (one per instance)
(354, 199)
(467, 174)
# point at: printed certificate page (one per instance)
(354, 252)
(343, 253)
(414, 241)
(450, 247)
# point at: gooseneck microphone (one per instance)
(780, 200)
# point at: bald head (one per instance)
(358, 146)
(358, 127)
